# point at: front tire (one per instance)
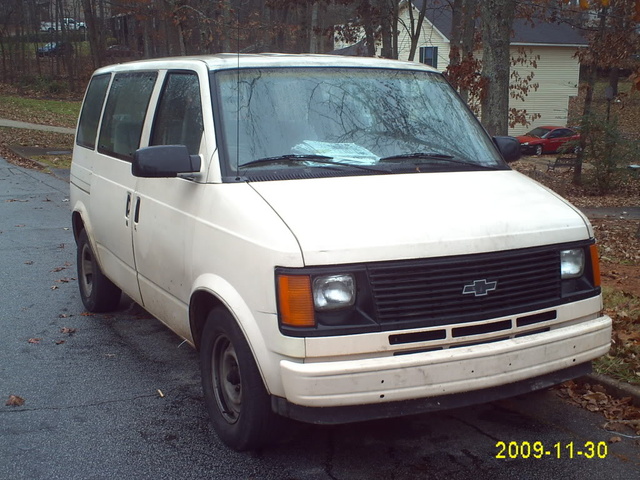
(538, 150)
(234, 393)
(98, 293)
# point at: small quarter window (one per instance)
(91, 110)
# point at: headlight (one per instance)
(525, 143)
(572, 263)
(331, 292)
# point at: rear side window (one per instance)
(91, 110)
(124, 114)
(178, 119)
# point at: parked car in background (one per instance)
(55, 49)
(67, 23)
(548, 139)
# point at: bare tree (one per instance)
(497, 20)
(414, 28)
(96, 39)
(462, 44)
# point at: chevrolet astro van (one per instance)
(338, 237)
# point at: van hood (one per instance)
(404, 216)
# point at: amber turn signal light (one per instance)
(595, 265)
(295, 301)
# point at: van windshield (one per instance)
(355, 120)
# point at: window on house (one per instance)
(429, 55)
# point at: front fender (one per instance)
(260, 329)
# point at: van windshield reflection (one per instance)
(354, 117)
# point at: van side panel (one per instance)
(112, 203)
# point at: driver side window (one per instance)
(178, 118)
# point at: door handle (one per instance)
(136, 215)
(127, 209)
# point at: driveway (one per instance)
(118, 395)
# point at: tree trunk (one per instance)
(95, 45)
(415, 28)
(226, 26)
(385, 27)
(588, 101)
(366, 8)
(313, 34)
(497, 21)
(456, 33)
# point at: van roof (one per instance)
(223, 61)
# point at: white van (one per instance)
(338, 236)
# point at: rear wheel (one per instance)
(234, 393)
(98, 293)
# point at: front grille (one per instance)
(430, 292)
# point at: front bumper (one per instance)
(528, 149)
(444, 372)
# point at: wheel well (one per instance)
(201, 304)
(77, 224)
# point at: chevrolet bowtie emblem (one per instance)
(479, 288)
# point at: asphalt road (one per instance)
(93, 409)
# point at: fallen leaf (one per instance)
(67, 330)
(59, 342)
(596, 397)
(34, 340)
(15, 401)
(615, 440)
(29, 262)
(58, 269)
(55, 287)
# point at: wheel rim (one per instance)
(538, 150)
(226, 379)
(86, 270)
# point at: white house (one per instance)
(557, 69)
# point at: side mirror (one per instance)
(509, 148)
(164, 161)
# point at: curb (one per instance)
(613, 387)
(59, 173)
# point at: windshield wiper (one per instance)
(295, 158)
(418, 155)
(441, 157)
(288, 158)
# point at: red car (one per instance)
(547, 139)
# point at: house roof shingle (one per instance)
(524, 32)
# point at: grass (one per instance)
(49, 112)
(55, 161)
